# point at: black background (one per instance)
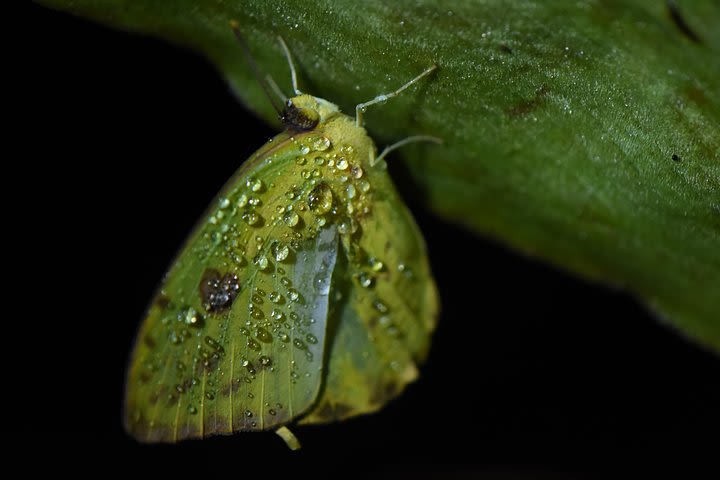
(120, 141)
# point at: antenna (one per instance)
(256, 71)
(293, 75)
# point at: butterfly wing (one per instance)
(385, 307)
(235, 338)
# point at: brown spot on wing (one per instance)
(218, 291)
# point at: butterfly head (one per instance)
(304, 112)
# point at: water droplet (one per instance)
(254, 184)
(254, 201)
(380, 306)
(191, 317)
(365, 280)
(291, 219)
(255, 312)
(404, 269)
(299, 344)
(294, 295)
(284, 337)
(224, 203)
(253, 345)
(272, 412)
(192, 409)
(277, 315)
(320, 199)
(280, 251)
(321, 281)
(342, 164)
(364, 186)
(350, 189)
(347, 226)
(214, 344)
(261, 262)
(375, 264)
(276, 297)
(311, 338)
(243, 200)
(248, 413)
(304, 150)
(385, 321)
(285, 282)
(356, 171)
(263, 335)
(321, 144)
(251, 218)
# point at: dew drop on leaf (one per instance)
(320, 199)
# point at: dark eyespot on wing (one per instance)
(218, 291)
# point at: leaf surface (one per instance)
(585, 133)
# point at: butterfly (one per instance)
(303, 296)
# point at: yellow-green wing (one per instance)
(235, 338)
(385, 305)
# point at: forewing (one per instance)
(235, 337)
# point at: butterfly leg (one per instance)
(401, 143)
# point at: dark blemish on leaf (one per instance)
(697, 95)
(676, 158)
(506, 49)
(680, 22)
(527, 106)
(297, 119)
(218, 292)
(144, 378)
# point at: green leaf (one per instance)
(585, 133)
